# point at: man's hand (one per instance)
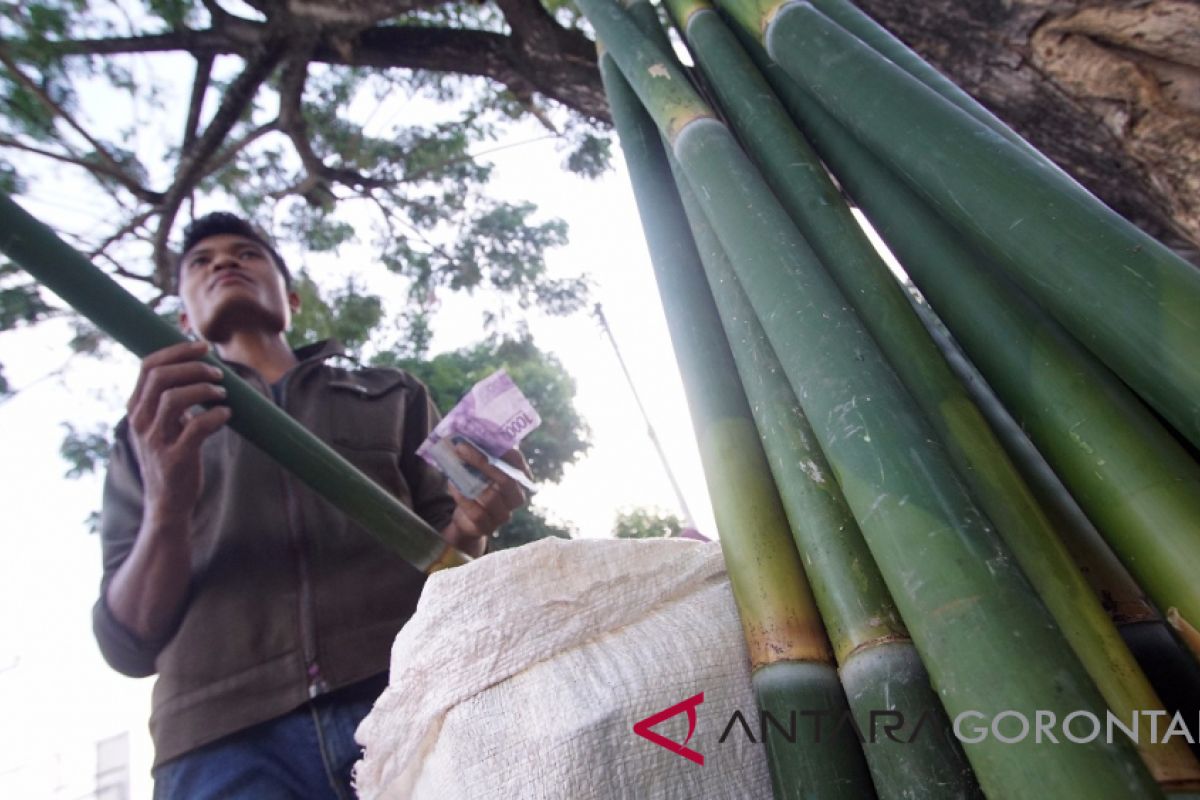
(149, 590)
(165, 434)
(475, 520)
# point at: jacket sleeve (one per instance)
(431, 498)
(120, 520)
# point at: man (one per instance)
(267, 615)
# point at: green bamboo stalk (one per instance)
(879, 666)
(1122, 597)
(1174, 675)
(853, 19)
(795, 174)
(93, 294)
(972, 615)
(791, 659)
(1129, 299)
(1134, 481)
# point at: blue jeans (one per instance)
(304, 755)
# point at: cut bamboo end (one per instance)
(1187, 631)
(449, 557)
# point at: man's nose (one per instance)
(226, 261)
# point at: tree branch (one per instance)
(112, 168)
(540, 34)
(523, 65)
(573, 82)
(238, 41)
(292, 123)
(222, 159)
(126, 229)
(192, 164)
(117, 269)
(147, 196)
(204, 65)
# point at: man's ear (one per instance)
(184, 323)
(293, 301)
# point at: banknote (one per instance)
(494, 417)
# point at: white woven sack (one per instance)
(522, 674)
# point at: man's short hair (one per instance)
(223, 222)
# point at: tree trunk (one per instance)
(1109, 89)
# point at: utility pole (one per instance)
(689, 522)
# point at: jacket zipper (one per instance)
(316, 684)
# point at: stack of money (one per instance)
(494, 417)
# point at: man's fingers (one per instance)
(200, 426)
(184, 351)
(175, 401)
(507, 492)
(517, 459)
(510, 492)
(158, 380)
(473, 518)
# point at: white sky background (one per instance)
(58, 696)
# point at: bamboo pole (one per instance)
(1129, 299)
(1135, 482)
(98, 297)
(796, 176)
(972, 615)
(791, 659)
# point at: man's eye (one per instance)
(199, 261)
(249, 254)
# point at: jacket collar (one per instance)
(319, 351)
(307, 356)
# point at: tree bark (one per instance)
(1108, 89)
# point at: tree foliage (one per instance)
(300, 116)
(84, 451)
(646, 523)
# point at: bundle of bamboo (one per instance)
(866, 423)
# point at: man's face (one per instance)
(230, 284)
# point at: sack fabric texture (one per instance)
(522, 674)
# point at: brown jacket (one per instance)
(288, 599)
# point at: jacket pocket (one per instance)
(367, 411)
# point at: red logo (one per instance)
(642, 728)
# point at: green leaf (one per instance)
(591, 157)
(11, 181)
(315, 228)
(173, 12)
(21, 305)
(347, 314)
(87, 339)
(84, 451)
